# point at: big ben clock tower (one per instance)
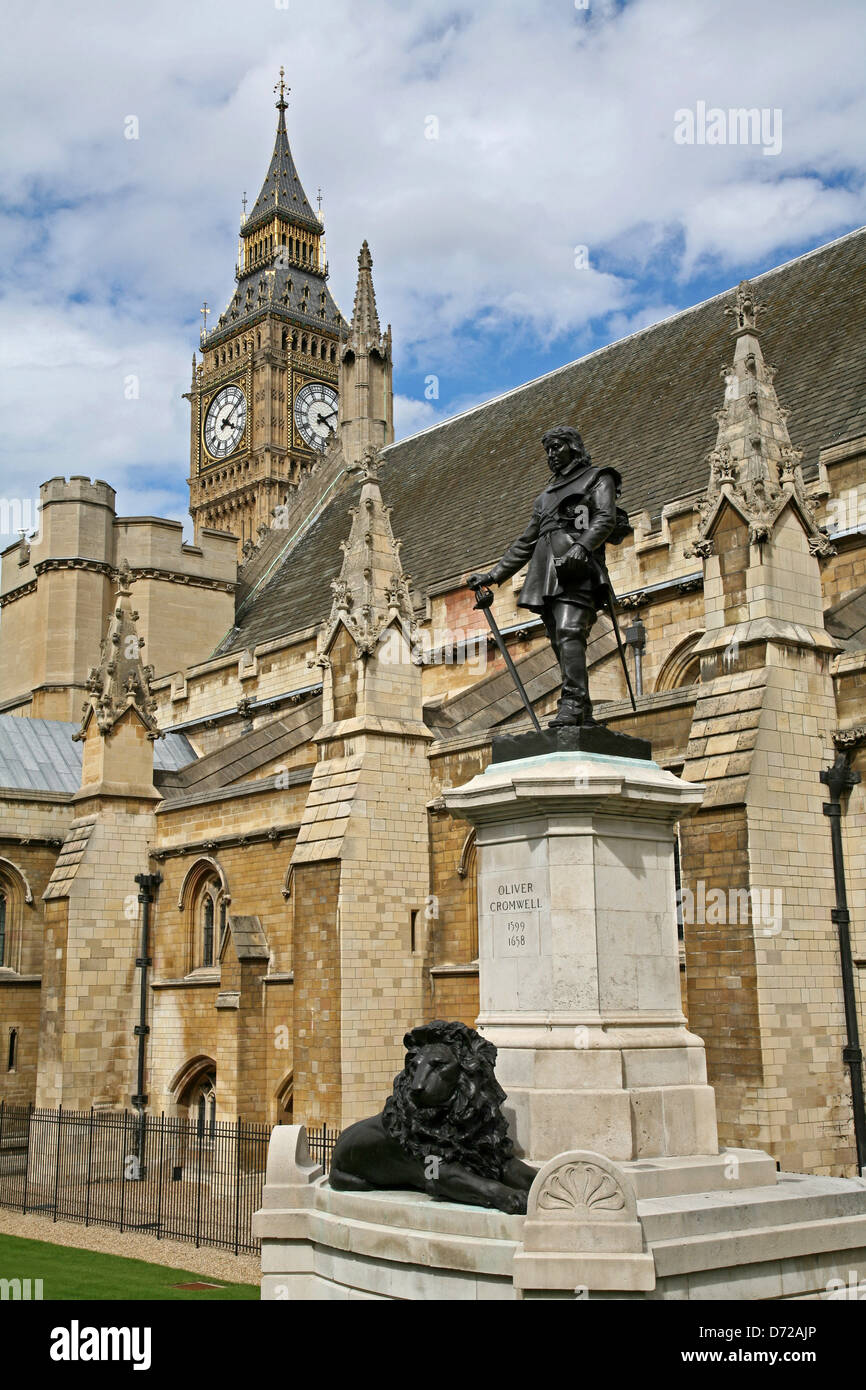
(264, 399)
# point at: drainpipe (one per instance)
(635, 636)
(147, 885)
(839, 779)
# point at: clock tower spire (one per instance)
(264, 398)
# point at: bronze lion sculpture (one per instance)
(442, 1130)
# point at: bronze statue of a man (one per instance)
(566, 582)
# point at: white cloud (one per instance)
(555, 130)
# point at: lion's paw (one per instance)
(515, 1204)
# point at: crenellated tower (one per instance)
(263, 398)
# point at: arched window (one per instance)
(15, 896)
(207, 931)
(203, 1109)
(467, 869)
(285, 1101)
(194, 1089)
(682, 666)
(12, 1053)
(211, 920)
(204, 899)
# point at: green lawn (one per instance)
(71, 1274)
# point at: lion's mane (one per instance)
(470, 1129)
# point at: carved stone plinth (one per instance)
(579, 960)
(582, 1229)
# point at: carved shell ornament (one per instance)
(581, 1185)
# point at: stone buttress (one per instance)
(88, 1049)
(761, 951)
(360, 866)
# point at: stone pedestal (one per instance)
(606, 1087)
(579, 958)
(593, 1229)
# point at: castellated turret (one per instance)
(57, 591)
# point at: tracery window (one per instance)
(202, 1109)
(208, 908)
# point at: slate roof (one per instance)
(279, 290)
(461, 491)
(281, 191)
(846, 620)
(39, 754)
(247, 753)
(273, 287)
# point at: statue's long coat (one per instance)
(576, 507)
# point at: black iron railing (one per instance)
(163, 1174)
(322, 1143)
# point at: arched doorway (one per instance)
(284, 1101)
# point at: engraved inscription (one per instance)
(514, 909)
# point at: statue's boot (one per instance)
(569, 714)
(575, 706)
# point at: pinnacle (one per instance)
(372, 589)
(121, 680)
(365, 326)
(753, 461)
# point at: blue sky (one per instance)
(554, 131)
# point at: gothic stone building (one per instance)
(271, 713)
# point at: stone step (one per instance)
(726, 1171)
(418, 1212)
(723, 1229)
(795, 1198)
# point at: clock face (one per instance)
(225, 422)
(316, 414)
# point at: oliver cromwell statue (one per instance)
(567, 580)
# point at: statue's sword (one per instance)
(611, 608)
(484, 601)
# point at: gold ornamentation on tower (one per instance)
(264, 398)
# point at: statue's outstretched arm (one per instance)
(519, 552)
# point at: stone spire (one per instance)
(365, 333)
(753, 464)
(372, 591)
(366, 385)
(121, 681)
(281, 193)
